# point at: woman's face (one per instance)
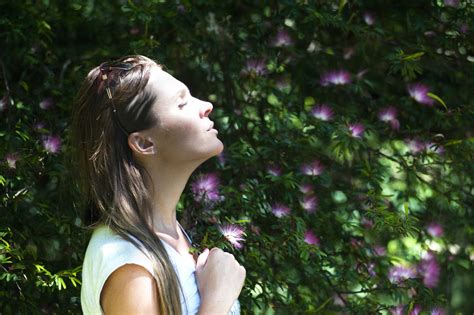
(184, 131)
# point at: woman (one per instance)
(138, 135)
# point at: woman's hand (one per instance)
(220, 279)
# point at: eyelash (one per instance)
(185, 103)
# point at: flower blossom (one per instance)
(206, 188)
(356, 130)
(369, 18)
(312, 169)
(282, 39)
(434, 147)
(274, 170)
(233, 233)
(52, 144)
(4, 101)
(39, 125)
(322, 112)
(335, 77)
(47, 103)
(415, 145)
(430, 271)
(419, 92)
(221, 158)
(398, 310)
(309, 203)
(397, 274)
(11, 159)
(255, 66)
(451, 3)
(438, 311)
(389, 115)
(306, 188)
(435, 229)
(310, 238)
(280, 210)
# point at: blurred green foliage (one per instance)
(265, 67)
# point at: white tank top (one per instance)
(108, 251)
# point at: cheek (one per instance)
(179, 131)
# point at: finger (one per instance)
(201, 261)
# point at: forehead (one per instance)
(165, 85)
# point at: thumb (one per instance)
(201, 261)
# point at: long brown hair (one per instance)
(112, 183)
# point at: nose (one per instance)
(206, 109)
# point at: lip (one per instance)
(210, 127)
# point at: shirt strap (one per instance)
(186, 234)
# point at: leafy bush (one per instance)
(348, 135)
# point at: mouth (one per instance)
(210, 127)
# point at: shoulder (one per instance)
(108, 248)
(130, 289)
(107, 253)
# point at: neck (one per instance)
(168, 183)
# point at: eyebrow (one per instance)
(184, 90)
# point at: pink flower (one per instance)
(309, 203)
(398, 310)
(255, 67)
(389, 114)
(4, 103)
(310, 238)
(435, 229)
(306, 188)
(322, 112)
(314, 168)
(416, 310)
(280, 210)
(438, 311)
(451, 3)
(52, 144)
(282, 39)
(335, 77)
(221, 158)
(134, 30)
(379, 250)
(47, 103)
(397, 274)
(356, 130)
(419, 92)
(206, 188)
(39, 125)
(415, 145)
(434, 147)
(430, 271)
(369, 18)
(282, 83)
(366, 223)
(11, 159)
(274, 170)
(233, 233)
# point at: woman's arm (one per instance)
(130, 289)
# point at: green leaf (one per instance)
(436, 97)
(342, 4)
(414, 56)
(273, 100)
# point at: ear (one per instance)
(141, 144)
